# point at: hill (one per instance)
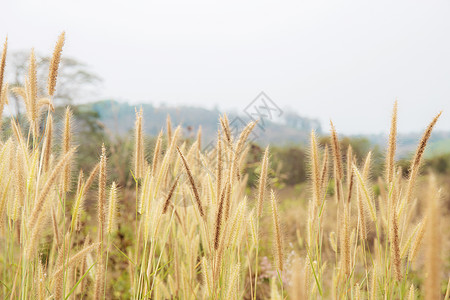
(118, 117)
(289, 128)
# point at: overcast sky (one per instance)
(344, 60)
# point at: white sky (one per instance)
(345, 60)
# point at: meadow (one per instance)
(191, 227)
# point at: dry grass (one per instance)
(197, 234)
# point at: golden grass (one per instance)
(54, 64)
(197, 232)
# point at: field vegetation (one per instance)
(175, 222)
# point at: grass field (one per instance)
(191, 228)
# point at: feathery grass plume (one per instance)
(226, 128)
(138, 146)
(345, 241)
(99, 274)
(3, 90)
(157, 152)
(80, 182)
(67, 140)
(417, 240)
(307, 281)
(3, 101)
(365, 193)
(218, 223)
(207, 278)
(361, 216)
(350, 185)
(47, 143)
(310, 230)
(219, 166)
(357, 292)
(192, 155)
(360, 203)
(324, 172)
(169, 128)
(69, 282)
(54, 64)
(392, 144)
(394, 241)
(40, 291)
(277, 230)
(399, 178)
(382, 186)
(434, 241)
(58, 278)
(169, 196)
(32, 242)
(263, 182)
(218, 262)
(241, 162)
(415, 165)
(18, 134)
(199, 139)
(83, 268)
(20, 183)
(334, 284)
(367, 166)
(55, 227)
(333, 242)
(373, 284)
(76, 258)
(237, 223)
(143, 193)
(412, 293)
(407, 245)
(176, 264)
(8, 195)
(315, 176)
(91, 178)
(242, 140)
(3, 62)
(3, 204)
(101, 209)
(32, 79)
(193, 186)
(233, 282)
(21, 92)
(168, 158)
(238, 151)
(31, 103)
(42, 196)
(337, 157)
(80, 197)
(349, 158)
(46, 102)
(112, 209)
(227, 202)
(297, 287)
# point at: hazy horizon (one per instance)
(347, 61)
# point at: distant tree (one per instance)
(75, 81)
